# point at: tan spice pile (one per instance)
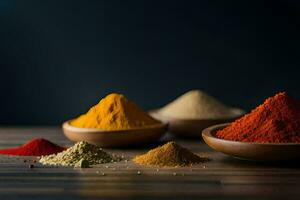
(169, 155)
(82, 154)
(196, 104)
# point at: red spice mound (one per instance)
(277, 120)
(35, 147)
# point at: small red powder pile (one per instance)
(35, 147)
(277, 120)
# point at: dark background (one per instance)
(57, 58)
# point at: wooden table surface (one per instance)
(221, 178)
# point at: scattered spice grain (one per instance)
(82, 163)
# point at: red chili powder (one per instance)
(35, 147)
(277, 120)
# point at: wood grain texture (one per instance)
(221, 178)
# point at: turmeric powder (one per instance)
(114, 112)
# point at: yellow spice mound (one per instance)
(169, 155)
(114, 112)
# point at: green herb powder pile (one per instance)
(82, 154)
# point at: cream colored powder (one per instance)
(196, 104)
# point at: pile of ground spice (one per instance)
(197, 104)
(114, 112)
(35, 147)
(169, 155)
(82, 154)
(277, 120)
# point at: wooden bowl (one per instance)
(115, 138)
(189, 128)
(250, 150)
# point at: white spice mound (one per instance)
(196, 104)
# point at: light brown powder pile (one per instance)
(169, 155)
(196, 104)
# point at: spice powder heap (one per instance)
(82, 154)
(169, 155)
(114, 112)
(196, 104)
(277, 120)
(34, 147)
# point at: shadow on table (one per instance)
(267, 164)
